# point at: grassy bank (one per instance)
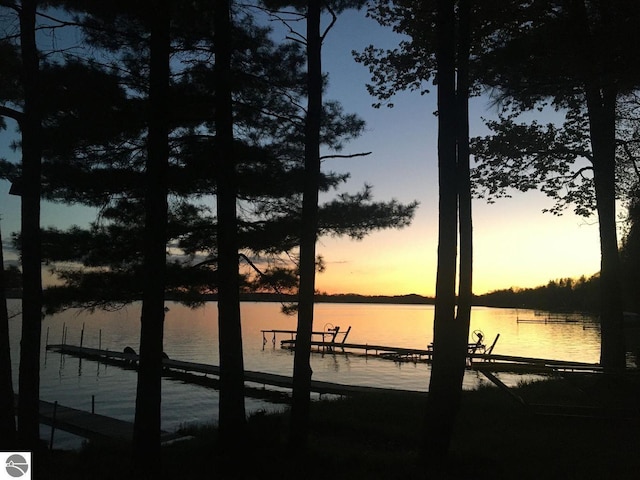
(379, 437)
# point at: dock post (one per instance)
(82, 335)
(346, 334)
(53, 424)
(46, 343)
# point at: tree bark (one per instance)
(451, 327)
(7, 412)
(29, 374)
(601, 95)
(601, 107)
(147, 423)
(232, 411)
(309, 230)
(465, 281)
(441, 403)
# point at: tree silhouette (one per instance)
(451, 326)
(7, 410)
(98, 153)
(309, 227)
(630, 256)
(579, 57)
(562, 295)
(29, 189)
(232, 413)
(441, 38)
(309, 230)
(147, 423)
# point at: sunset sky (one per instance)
(515, 243)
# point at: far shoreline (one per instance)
(354, 298)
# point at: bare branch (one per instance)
(632, 157)
(285, 17)
(334, 19)
(210, 261)
(12, 113)
(302, 40)
(61, 23)
(364, 154)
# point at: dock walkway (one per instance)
(485, 360)
(385, 351)
(129, 360)
(99, 427)
(92, 426)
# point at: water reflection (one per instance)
(192, 335)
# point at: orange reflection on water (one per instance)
(412, 326)
(192, 334)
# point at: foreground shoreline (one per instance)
(378, 436)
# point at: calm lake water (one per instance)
(192, 335)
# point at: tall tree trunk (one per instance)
(601, 107)
(301, 400)
(147, 424)
(29, 378)
(232, 411)
(451, 328)
(443, 391)
(465, 282)
(7, 412)
(601, 96)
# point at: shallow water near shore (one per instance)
(192, 335)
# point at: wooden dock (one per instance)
(515, 364)
(191, 371)
(206, 374)
(384, 351)
(99, 427)
(400, 354)
(479, 357)
(92, 426)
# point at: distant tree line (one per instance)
(562, 295)
(582, 294)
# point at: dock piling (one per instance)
(53, 424)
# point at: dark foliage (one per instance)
(563, 295)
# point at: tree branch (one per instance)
(334, 19)
(61, 23)
(12, 113)
(364, 154)
(279, 16)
